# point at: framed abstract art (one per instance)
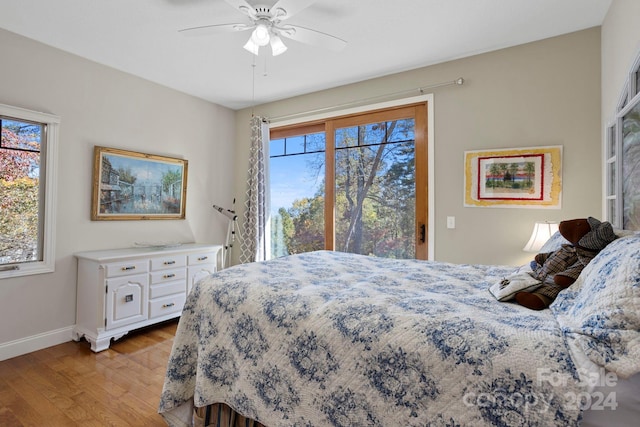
(528, 177)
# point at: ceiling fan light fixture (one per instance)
(266, 27)
(277, 45)
(260, 35)
(252, 47)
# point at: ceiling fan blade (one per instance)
(206, 30)
(284, 9)
(312, 37)
(243, 7)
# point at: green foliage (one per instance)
(19, 193)
(307, 225)
(19, 219)
(169, 178)
(125, 175)
(503, 175)
(282, 230)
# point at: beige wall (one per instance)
(102, 106)
(542, 93)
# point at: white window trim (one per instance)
(629, 99)
(47, 265)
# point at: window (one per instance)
(611, 161)
(349, 184)
(297, 175)
(622, 157)
(27, 189)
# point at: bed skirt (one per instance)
(221, 415)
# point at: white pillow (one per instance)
(601, 310)
(554, 243)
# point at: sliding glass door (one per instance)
(353, 184)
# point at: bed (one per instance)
(335, 339)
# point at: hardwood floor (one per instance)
(69, 385)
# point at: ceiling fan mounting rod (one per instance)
(263, 21)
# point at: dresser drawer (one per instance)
(170, 261)
(166, 305)
(126, 268)
(168, 275)
(202, 258)
(163, 289)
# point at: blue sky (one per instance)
(292, 179)
(143, 170)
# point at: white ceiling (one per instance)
(384, 37)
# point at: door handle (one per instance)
(423, 233)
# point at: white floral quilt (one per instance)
(335, 339)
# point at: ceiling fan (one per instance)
(268, 26)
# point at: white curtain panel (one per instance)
(254, 236)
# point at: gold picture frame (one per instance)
(529, 177)
(128, 185)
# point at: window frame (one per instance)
(612, 155)
(47, 195)
(612, 182)
(424, 154)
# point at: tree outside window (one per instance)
(27, 162)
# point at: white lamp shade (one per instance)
(277, 46)
(252, 47)
(542, 231)
(260, 35)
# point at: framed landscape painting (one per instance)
(518, 177)
(129, 185)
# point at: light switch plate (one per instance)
(451, 222)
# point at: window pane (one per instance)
(404, 130)
(630, 171)
(20, 221)
(297, 203)
(276, 147)
(347, 137)
(611, 142)
(375, 192)
(374, 133)
(611, 184)
(316, 142)
(612, 211)
(295, 145)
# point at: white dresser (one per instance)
(120, 290)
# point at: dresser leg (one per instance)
(99, 344)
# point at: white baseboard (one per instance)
(35, 342)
